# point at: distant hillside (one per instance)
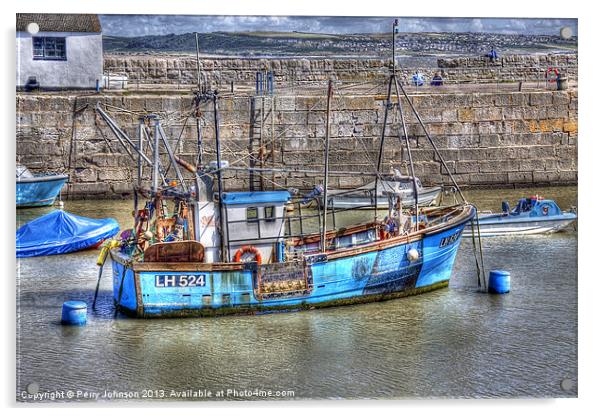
(317, 44)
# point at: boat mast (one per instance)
(380, 151)
(156, 157)
(198, 62)
(139, 170)
(405, 130)
(326, 167)
(410, 159)
(428, 136)
(224, 253)
(395, 29)
(197, 100)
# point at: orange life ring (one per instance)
(550, 70)
(247, 249)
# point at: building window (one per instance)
(49, 48)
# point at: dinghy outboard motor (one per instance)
(505, 207)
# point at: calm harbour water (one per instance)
(454, 342)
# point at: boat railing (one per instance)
(298, 225)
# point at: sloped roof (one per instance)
(59, 22)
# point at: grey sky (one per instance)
(139, 25)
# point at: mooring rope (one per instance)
(481, 266)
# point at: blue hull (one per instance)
(39, 191)
(378, 274)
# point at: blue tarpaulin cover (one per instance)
(60, 232)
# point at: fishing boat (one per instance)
(37, 190)
(363, 197)
(60, 232)
(198, 249)
(533, 215)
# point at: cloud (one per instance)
(139, 25)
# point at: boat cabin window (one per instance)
(355, 239)
(251, 214)
(365, 237)
(269, 213)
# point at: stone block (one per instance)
(570, 126)
(467, 166)
(520, 177)
(488, 113)
(488, 178)
(113, 175)
(511, 99)
(122, 188)
(83, 189)
(568, 176)
(487, 166)
(483, 100)
(449, 115)
(350, 181)
(466, 114)
(560, 98)
(503, 153)
(285, 103)
(546, 176)
(490, 140)
(84, 175)
(540, 98)
(539, 152)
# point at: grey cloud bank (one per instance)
(141, 25)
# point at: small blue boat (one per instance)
(60, 232)
(37, 190)
(532, 215)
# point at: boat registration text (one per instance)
(179, 280)
(450, 239)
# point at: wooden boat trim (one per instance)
(404, 239)
(330, 255)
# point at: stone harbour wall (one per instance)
(182, 69)
(510, 67)
(487, 139)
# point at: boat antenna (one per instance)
(326, 166)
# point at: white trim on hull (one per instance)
(520, 228)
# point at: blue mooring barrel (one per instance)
(499, 281)
(74, 313)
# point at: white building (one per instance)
(66, 52)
